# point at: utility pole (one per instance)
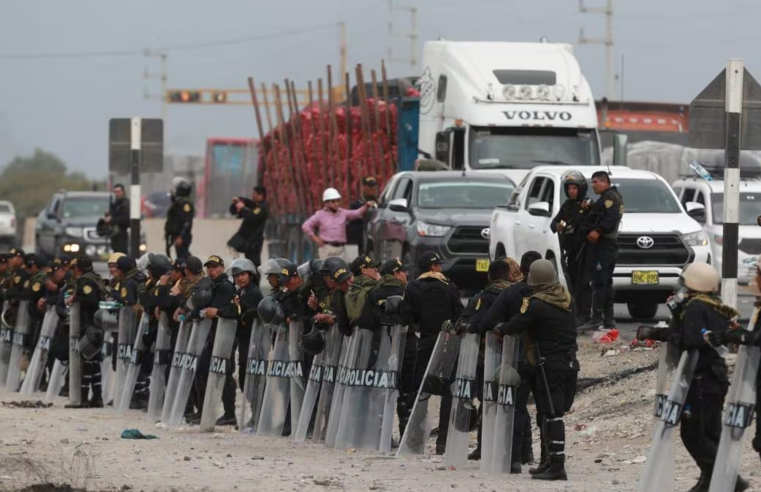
(149, 53)
(412, 35)
(610, 69)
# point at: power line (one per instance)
(181, 47)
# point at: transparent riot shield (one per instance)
(492, 360)
(464, 393)
(653, 472)
(21, 331)
(256, 377)
(125, 337)
(396, 337)
(57, 379)
(75, 358)
(40, 357)
(188, 366)
(314, 380)
(436, 380)
(110, 326)
(331, 356)
(133, 367)
(6, 341)
(668, 359)
(221, 360)
(738, 416)
(509, 381)
(180, 349)
(296, 357)
(277, 392)
(339, 389)
(161, 358)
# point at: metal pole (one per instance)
(734, 101)
(610, 63)
(134, 190)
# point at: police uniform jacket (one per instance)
(179, 218)
(605, 214)
(89, 293)
(254, 217)
(503, 308)
(574, 232)
(119, 211)
(428, 302)
(18, 287)
(248, 300)
(374, 311)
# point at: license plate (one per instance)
(482, 265)
(644, 278)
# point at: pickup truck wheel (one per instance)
(642, 311)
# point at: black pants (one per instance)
(426, 344)
(701, 420)
(120, 242)
(522, 419)
(183, 251)
(553, 400)
(91, 378)
(407, 388)
(243, 341)
(254, 252)
(202, 378)
(602, 254)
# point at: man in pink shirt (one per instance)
(327, 227)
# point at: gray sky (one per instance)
(672, 50)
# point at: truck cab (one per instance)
(657, 237)
(506, 107)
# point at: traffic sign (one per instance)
(151, 145)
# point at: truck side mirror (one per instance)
(539, 209)
(620, 149)
(442, 147)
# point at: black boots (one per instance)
(227, 420)
(555, 470)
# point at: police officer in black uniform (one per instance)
(247, 296)
(602, 250)
(569, 225)
(178, 228)
(250, 236)
(355, 229)
(429, 301)
(118, 219)
(548, 320)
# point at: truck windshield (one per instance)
(646, 196)
(528, 147)
(750, 208)
(85, 207)
(463, 194)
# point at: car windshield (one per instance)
(525, 148)
(463, 194)
(85, 207)
(646, 196)
(750, 208)
(4, 208)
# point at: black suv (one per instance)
(447, 212)
(67, 225)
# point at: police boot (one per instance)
(608, 321)
(556, 470)
(704, 482)
(515, 468)
(544, 459)
(96, 402)
(594, 323)
(227, 420)
(742, 484)
(475, 455)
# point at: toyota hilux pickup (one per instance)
(657, 237)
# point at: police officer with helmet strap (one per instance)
(247, 297)
(178, 228)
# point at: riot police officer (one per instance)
(250, 236)
(179, 219)
(117, 221)
(602, 250)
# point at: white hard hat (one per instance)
(701, 277)
(330, 194)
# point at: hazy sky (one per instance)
(672, 49)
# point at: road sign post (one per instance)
(727, 115)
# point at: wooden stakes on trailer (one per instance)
(295, 122)
(335, 154)
(388, 161)
(389, 130)
(366, 133)
(347, 84)
(292, 154)
(272, 167)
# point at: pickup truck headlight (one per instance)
(699, 238)
(431, 230)
(73, 231)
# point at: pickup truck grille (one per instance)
(750, 246)
(667, 250)
(90, 234)
(468, 239)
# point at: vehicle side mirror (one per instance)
(52, 216)
(539, 209)
(620, 149)
(398, 205)
(696, 210)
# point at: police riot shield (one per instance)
(221, 361)
(57, 379)
(492, 360)
(40, 357)
(161, 358)
(653, 473)
(256, 376)
(133, 368)
(331, 356)
(436, 381)
(277, 392)
(339, 389)
(110, 327)
(6, 341)
(75, 358)
(296, 358)
(397, 335)
(463, 402)
(668, 358)
(125, 337)
(180, 348)
(188, 365)
(314, 380)
(21, 331)
(504, 421)
(738, 416)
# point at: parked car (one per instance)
(442, 211)
(8, 229)
(156, 204)
(67, 225)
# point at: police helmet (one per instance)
(273, 266)
(331, 264)
(241, 265)
(202, 294)
(701, 277)
(181, 187)
(270, 311)
(309, 269)
(574, 177)
(159, 265)
(313, 343)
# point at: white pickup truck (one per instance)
(8, 227)
(657, 238)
